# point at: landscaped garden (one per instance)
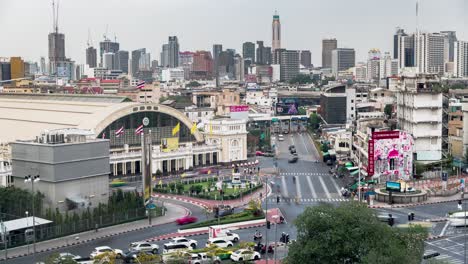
(207, 189)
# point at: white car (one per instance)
(66, 256)
(245, 254)
(280, 138)
(105, 249)
(229, 236)
(219, 242)
(144, 246)
(180, 243)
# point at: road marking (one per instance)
(284, 187)
(298, 188)
(309, 180)
(445, 228)
(336, 185)
(324, 187)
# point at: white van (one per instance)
(459, 218)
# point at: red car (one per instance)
(188, 219)
(259, 153)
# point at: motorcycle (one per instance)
(258, 236)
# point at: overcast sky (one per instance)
(359, 24)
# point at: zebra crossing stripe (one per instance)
(309, 181)
(284, 186)
(327, 193)
(298, 188)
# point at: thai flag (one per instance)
(141, 85)
(103, 135)
(139, 130)
(119, 132)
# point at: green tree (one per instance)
(314, 121)
(388, 110)
(52, 259)
(193, 84)
(302, 111)
(350, 233)
(324, 147)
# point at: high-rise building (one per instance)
(43, 66)
(263, 54)
(202, 67)
(165, 56)
(5, 70)
(327, 46)
(173, 52)
(16, 68)
(239, 68)
(248, 51)
(186, 62)
(461, 59)
(56, 51)
(145, 62)
(91, 57)
(388, 66)
(122, 58)
(109, 60)
(373, 64)
(306, 58)
(432, 52)
(217, 48)
(289, 63)
(107, 46)
(226, 64)
(452, 38)
(136, 54)
(276, 32)
(403, 49)
(154, 65)
(342, 59)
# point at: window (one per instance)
(392, 164)
(352, 101)
(382, 94)
(352, 108)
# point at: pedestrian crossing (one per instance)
(304, 174)
(443, 257)
(308, 200)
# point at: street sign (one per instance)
(444, 176)
(150, 206)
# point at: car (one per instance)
(188, 219)
(221, 211)
(105, 249)
(203, 258)
(268, 154)
(219, 242)
(227, 234)
(293, 159)
(144, 246)
(171, 248)
(280, 138)
(245, 254)
(131, 256)
(292, 149)
(175, 244)
(66, 256)
(259, 153)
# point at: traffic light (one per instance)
(391, 220)
(412, 216)
(286, 238)
(268, 224)
(277, 199)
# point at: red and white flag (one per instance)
(141, 85)
(139, 130)
(119, 132)
(103, 135)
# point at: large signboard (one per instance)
(393, 186)
(238, 108)
(370, 159)
(169, 144)
(287, 108)
(385, 135)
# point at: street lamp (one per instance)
(275, 217)
(32, 180)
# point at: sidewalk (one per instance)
(208, 204)
(430, 200)
(173, 212)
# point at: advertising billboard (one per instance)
(238, 108)
(286, 108)
(169, 144)
(393, 186)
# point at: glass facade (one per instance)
(160, 124)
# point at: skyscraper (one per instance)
(432, 52)
(239, 68)
(461, 59)
(452, 38)
(202, 67)
(248, 51)
(165, 56)
(43, 66)
(173, 52)
(56, 51)
(107, 46)
(263, 54)
(343, 59)
(5, 70)
(109, 61)
(289, 63)
(306, 58)
(403, 49)
(122, 60)
(91, 57)
(276, 32)
(217, 48)
(136, 54)
(17, 67)
(145, 62)
(327, 46)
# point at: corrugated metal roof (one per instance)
(23, 223)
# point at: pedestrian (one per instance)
(459, 205)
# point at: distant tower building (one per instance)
(432, 52)
(109, 61)
(276, 32)
(289, 63)
(108, 46)
(343, 59)
(5, 69)
(248, 51)
(239, 68)
(452, 38)
(17, 67)
(328, 45)
(217, 48)
(122, 58)
(404, 48)
(202, 67)
(306, 58)
(145, 62)
(373, 64)
(43, 66)
(165, 55)
(91, 57)
(56, 51)
(136, 54)
(461, 59)
(173, 52)
(388, 66)
(263, 54)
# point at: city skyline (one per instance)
(133, 34)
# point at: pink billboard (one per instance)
(239, 108)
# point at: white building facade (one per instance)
(230, 135)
